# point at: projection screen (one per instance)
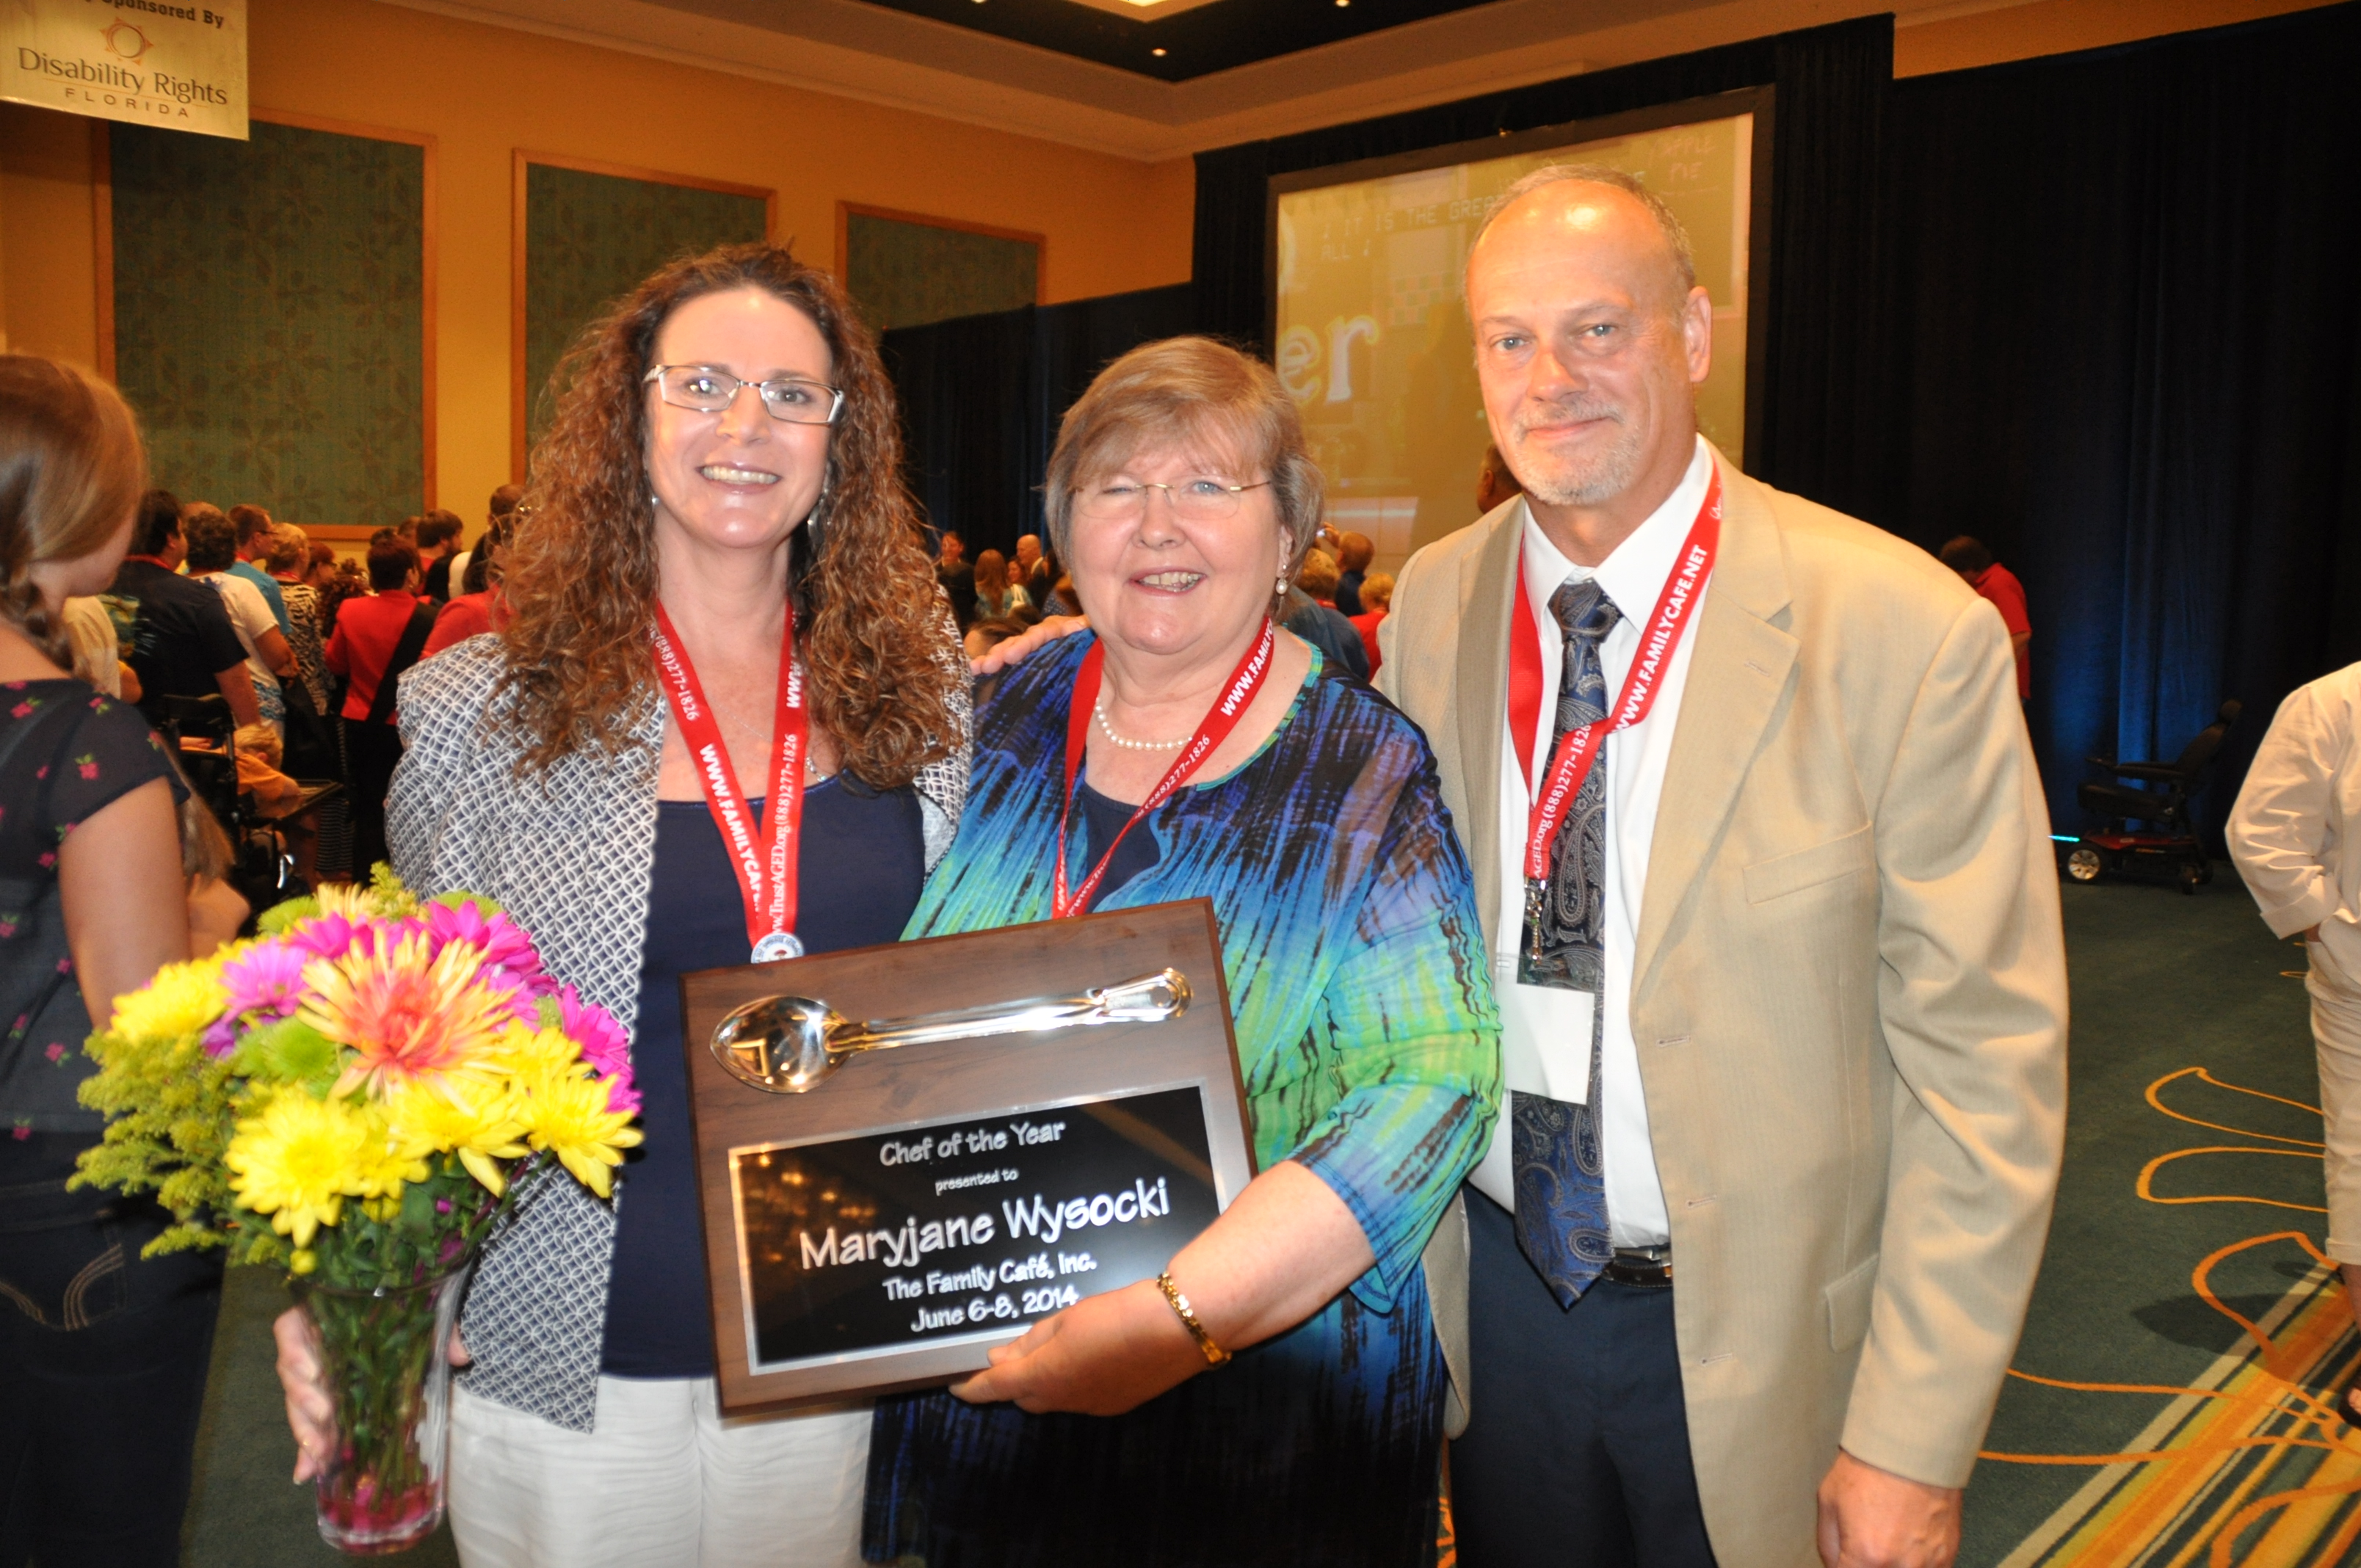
(1369, 325)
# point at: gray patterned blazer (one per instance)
(570, 854)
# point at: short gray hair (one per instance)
(1684, 256)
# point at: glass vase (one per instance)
(385, 1355)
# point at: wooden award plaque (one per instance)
(920, 1205)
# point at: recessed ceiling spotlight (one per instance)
(1157, 52)
(1341, 4)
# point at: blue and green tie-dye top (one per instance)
(1362, 1004)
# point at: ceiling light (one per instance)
(1157, 52)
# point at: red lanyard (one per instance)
(764, 861)
(1219, 720)
(1577, 748)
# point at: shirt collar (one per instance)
(1633, 573)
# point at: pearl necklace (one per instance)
(1098, 711)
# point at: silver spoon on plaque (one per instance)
(789, 1045)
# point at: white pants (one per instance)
(664, 1482)
(2336, 1035)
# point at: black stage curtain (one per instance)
(981, 397)
(1828, 106)
(2126, 348)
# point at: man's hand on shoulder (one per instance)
(1875, 1519)
(1016, 650)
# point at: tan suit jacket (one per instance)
(1850, 993)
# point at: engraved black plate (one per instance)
(962, 1230)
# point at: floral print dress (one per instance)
(66, 752)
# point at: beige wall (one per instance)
(1995, 33)
(483, 92)
(1112, 224)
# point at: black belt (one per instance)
(1648, 1267)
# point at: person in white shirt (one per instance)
(212, 549)
(1780, 964)
(2291, 836)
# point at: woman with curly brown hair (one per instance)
(720, 579)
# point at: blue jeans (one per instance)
(103, 1362)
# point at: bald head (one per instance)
(1589, 342)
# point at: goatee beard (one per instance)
(1584, 482)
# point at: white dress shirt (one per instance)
(1546, 1032)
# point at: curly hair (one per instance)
(71, 469)
(581, 574)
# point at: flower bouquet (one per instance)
(358, 1095)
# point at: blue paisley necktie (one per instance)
(1561, 1190)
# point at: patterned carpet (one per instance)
(2174, 1401)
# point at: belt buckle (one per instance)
(1649, 1267)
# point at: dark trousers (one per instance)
(371, 750)
(1577, 1449)
(102, 1363)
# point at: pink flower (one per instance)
(268, 978)
(604, 1045)
(88, 765)
(20, 710)
(7, 929)
(49, 858)
(221, 1038)
(323, 936)
(503, 944)
(23, 1133)
(56, 1051)
(623, 1096)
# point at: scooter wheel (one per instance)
(2083, 865)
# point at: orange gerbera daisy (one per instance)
(404, 1014)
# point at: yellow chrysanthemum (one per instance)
(182, 1000)
(390, 1160)
(567, 1113)
(404, 1015)
(473, 1117)
(527, 1054)
(297, 1159)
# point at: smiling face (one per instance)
(738, 480)
(1587, 347)
(1168, 585)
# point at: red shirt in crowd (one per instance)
(367, 630)
(466, 616)
(1367, 625)
(1998, 584)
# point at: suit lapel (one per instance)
(1487, 579)
(1735, 680)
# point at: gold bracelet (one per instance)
(1213, 1353)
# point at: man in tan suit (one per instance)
(1786, 1005)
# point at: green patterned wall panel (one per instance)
(269, 317)
(591, 237)
(912, 274)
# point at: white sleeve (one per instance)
(2279, 828)
(249, 610)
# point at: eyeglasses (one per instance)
(709, 391)
(1192, 500)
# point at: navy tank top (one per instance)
(861, 865)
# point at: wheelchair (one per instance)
(261, 868)
(2161, 808)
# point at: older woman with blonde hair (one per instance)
(1278, 1396)
(718, 506)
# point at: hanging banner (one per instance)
(152, 62)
